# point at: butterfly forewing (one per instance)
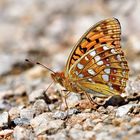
(104, 32)
(97, 62)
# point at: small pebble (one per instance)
(61, 135)
(76, 134)
(73, 98)
(40, 106)
(44, 122)
(5, 105)
(63, 115)
(4, 119)
(27, 113)
(73, 111)
(21, 121)
(14, 113)
(36, 94)
(60, 115)
(21, 133)
(123, 110)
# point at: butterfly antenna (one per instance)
(38, 63)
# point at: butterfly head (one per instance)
(58, 77)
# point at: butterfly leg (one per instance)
(64, 97)
(90, 99)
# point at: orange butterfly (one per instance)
(96, 64)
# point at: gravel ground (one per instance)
(46, 31)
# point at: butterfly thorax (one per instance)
(69, 84)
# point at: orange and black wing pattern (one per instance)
(97, 62)
(104, 32)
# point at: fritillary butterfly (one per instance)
(96, 64)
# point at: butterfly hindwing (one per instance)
(107, 68)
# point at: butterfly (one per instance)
(96, 64)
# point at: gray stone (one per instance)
(72, 99)
(44, 122)
(5, 104)
(63, 115)
(27, 113)
(123, 110)
(133, 87)
(4, 119)
(103, 136)
(5, 60)
(76, 134)
(54, 125)
(90, 135)
(36, 95)
(60, 115)
(21, 133)
(62, 135)
(40, 106)
(73, 111)
(14, 113)
(21, 121)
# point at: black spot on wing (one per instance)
(97, 40)
(83, 49)
(87, 39)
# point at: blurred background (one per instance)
(46, 31)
